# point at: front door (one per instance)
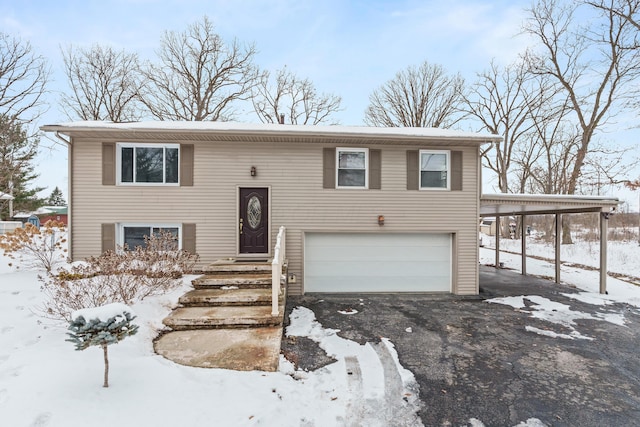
(254, 221)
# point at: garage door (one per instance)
(355, 262)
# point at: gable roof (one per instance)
(266, 132)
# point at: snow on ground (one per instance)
(587, 281)
(45, 382)
(623, 257)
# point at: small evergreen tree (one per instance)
(56, 198)
(17, 168)
(101, 326)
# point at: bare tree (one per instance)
(425, 96)
(559, 141)
(625, 9)
(23, 79)
(594, 66)
(104, 84)
(199, 76)
(508, 101)
(294, 100)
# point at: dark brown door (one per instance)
(254, 220)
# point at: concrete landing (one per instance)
(239, 349)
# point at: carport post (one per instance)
(497, 241)
(604, 230)
(558, 241)
(523, 232)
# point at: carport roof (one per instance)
(539, 204)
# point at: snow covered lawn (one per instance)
(623, 258)
(45, 382)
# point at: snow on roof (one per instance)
(269, 128)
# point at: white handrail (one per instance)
(276, 270)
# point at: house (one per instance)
(365, 209)
(53, 213)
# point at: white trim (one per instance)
(447, 153)
(366, 167)
(121, 226)
(134, 145)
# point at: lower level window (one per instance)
(136, 235)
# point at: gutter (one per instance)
(69, 144)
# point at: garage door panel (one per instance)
(351, 262)
(373, 254)
(375, 268)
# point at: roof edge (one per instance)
(235, 128)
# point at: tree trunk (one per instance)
(106, 366)
(566, 230)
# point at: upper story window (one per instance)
(148, 163)
(434, 169)
(352, 167)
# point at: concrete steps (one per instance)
(233, 296)
(225, 279)
(185, 318)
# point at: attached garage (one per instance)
(377, 262)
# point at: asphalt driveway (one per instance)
(493, 362)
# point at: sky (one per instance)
(347, 48)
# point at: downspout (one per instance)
(69, 145)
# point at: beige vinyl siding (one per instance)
(294, 174)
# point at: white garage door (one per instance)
(355, 262)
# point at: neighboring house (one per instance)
(44, 214)
(53, 213)
(488, 226)
(366, 209)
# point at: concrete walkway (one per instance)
(226, 321)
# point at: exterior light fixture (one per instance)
(380, 220)
(254, 172)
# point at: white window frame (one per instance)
(366, 167)
(134, 145)
(447, 153)
(121, 226)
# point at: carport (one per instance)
(522, 205)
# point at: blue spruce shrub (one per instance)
(101, 326)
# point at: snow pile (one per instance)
(103, 313)
(381, 391)
(555, 312)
